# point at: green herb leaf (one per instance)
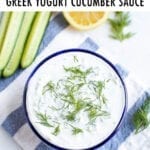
(75, 59)
(78, 73)
(43, 119)
(74, 70)
(71, 116)
(93, 113)
(79, 105)
(118, 24)
(141, 118)
(56, 130)
(50, 86)
(76, 130)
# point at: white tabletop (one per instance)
(134, 54)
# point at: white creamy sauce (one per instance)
(53, 70)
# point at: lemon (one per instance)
(85, 20)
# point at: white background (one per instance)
(134, 54)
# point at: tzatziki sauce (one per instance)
(75, 100)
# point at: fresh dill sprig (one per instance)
(43, 119)
(141, 118)
(118, 24)
(77, 73)
(78, 106)
(74, 70)
(71, 116)
(75, 59)
(76, 130)
(56, 130)
(103, 99)
(95, 111)
(69, 97)
(50, 86)
(93, 114)
(98, 86)
(76, 87)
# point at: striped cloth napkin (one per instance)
(60, 36)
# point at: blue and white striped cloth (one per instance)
(59, 35)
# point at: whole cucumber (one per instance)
(19, 46)
(3, 26)
(35, 37)
(10, 37)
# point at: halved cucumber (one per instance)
(19, 46)
(10, 37)
(35, 38)
(3, 26)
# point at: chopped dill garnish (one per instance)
(93, 113)
(77, 87)
(43, 119)
(74, 70)
(71, 116)
(50, 86)
(79, 105)
(103, 98)
(75, 59)
(56, 130)
(98, 86)
(76, 130)
(77, 73)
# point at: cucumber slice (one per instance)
(18, 49)
(10, 37)
(3, 26)
(35, 37)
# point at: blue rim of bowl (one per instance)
(67, 51)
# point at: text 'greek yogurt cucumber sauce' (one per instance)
(75, 100)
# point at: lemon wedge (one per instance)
(85, 20)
